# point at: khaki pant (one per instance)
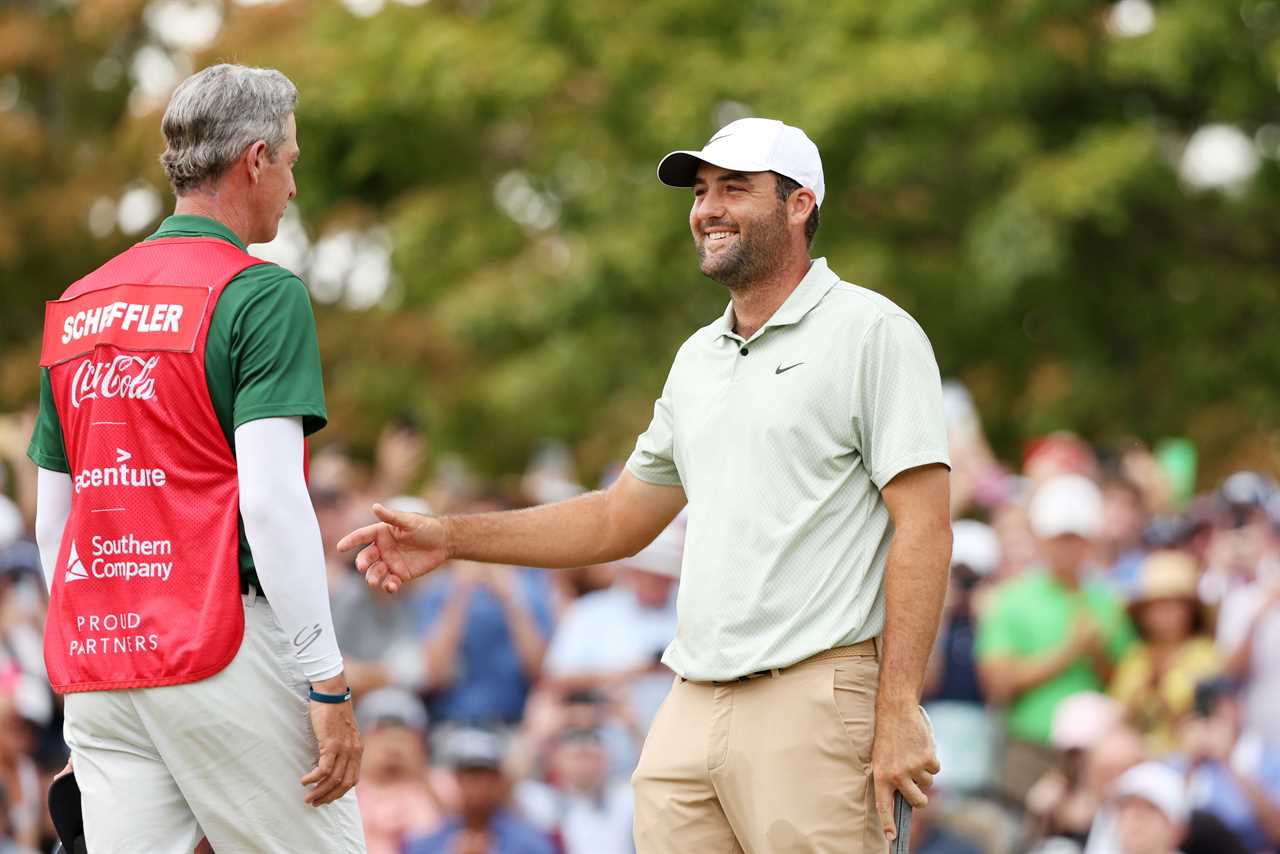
(774, 764)
(160, 767)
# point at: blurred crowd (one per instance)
(1106, 677)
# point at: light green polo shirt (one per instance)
(1031, 615)
(261, 358)
(782, 444)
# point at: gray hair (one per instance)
(215, 114)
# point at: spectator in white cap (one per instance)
(1151, 810)
(484, 824)
(614, 638)
(806, 431)
(1049, 634)
(1124, 826)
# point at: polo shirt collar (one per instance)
(724, 326)
(812, 288)
(191, 225)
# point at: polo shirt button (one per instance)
(743, 351)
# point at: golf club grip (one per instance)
(901, 825)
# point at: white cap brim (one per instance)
(680, 168)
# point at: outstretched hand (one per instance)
(398, 549)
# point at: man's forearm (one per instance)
(915, 586)
(1103, 666)
(441, 648)
(531, 646)
(590, 681)
(581, 531)
(1265, 810)
(1004, 679)
(596, 528)
(566, 684)
(366, 676)
(1240, 661)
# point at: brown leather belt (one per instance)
(869, 648)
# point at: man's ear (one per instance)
(801, 204)
(255, 160)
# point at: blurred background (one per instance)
(1078, 200)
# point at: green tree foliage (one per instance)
(1008, 172)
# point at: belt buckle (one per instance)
(760, 674)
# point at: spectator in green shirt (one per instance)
(1049, 634)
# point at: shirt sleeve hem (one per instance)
(308, 412)
(652, 477)
(48, 462)
(883, 476)
(325, 670)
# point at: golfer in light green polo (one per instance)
(804, 428)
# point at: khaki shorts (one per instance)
(159, 768)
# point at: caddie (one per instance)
(189, 625)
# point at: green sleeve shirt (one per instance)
(262, 358)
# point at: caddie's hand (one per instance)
(338, 766)
(902, 760)
(399, 548)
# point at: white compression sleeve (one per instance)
(284, 536)
(53, 506)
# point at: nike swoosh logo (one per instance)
(782, 370)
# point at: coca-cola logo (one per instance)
(127, 377)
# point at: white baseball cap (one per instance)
(975, 545)
(1157, 784)
(474, 747)
(1066, 504)
(751, 145)
(391, 705)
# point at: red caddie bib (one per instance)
(146, 590)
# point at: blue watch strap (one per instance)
(313, 694)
